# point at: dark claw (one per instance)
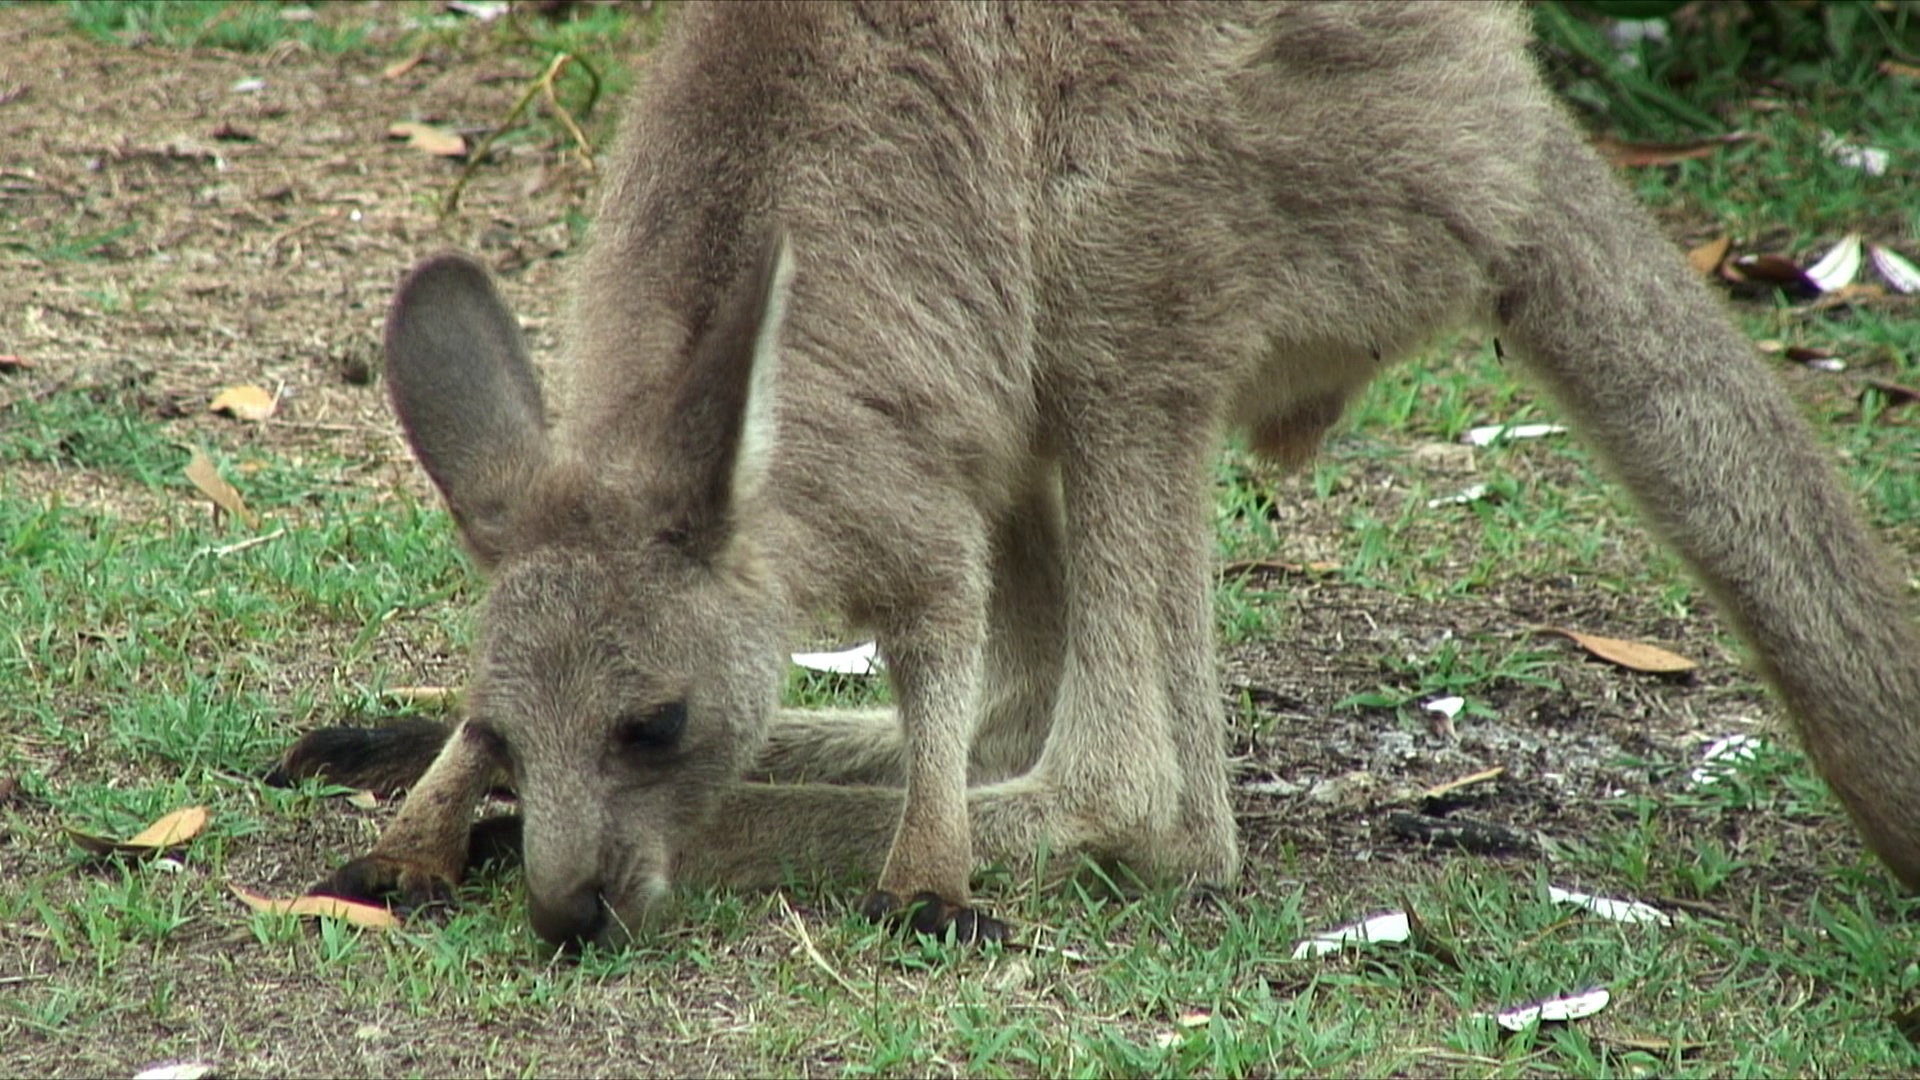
(376, 879)
(927, 913)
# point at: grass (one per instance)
(215, 24)
(149, 661)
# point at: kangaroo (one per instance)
(930, 315)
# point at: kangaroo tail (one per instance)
(1605, 312)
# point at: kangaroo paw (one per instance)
(403, 885)
(927, 913)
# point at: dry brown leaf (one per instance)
(1633, 655)
(1899, 70)
(203, 474)
(1664, 153)
(1895, 393)
(421, 695)
(371, 916)
(402, 66)
(1248, 566)
(437, 141)
(1439, 791)
(170, 831)
(244, 403)
(1776, 270)
(1707, 258)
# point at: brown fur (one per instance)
(1040, 256)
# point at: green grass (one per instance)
(217, 24)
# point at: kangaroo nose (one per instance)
(571, 920)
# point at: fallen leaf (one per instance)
(1390, 927)
(1707, 258)
(1248, 566)
(1272, 787)
(1872, 160)
(1899, 70)
(364, 800)
(1555, 1010)
(1630, 154)
(1775, 270)
(326, 907)
(1632, 655)
(1194, 1019)
(1820, 359)
(1472, 493)
(203, 474)
(859, 660)
(1495, 433)
(1895, 393)
(437, 141)
(177, 1070)
(1901, 274)
(1626, 911)
(1441, 791)
(402, 66)
(170, 831)
(16, 363)
(1838, 267)
(244, 403)
(1716, 762)
(483, 10)
(421, 695)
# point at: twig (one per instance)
(236, 548)
(800, 935)
(479, 154)
(581, 145)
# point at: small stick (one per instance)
(799, 934)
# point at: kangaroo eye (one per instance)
(657, 728)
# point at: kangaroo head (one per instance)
(629, 646)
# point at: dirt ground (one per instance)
(270, 227)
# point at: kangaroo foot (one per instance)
(927, 913)
(401, 884)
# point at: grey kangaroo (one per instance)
(930, 315)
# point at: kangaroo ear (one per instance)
(724, 413)
(459, 378)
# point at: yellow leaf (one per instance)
(425, 697)
(244, 403)
(203, 474)
(170, 831)
(1633, 655)
(325, 907)
(437, 141)
(1707, 258)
